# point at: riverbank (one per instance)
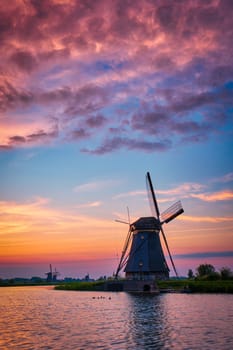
(20, 284)
(196, 286)
(82, 286)
(192, 286)
(170, 286)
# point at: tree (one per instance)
(226, 273)
(205, 270)
(190, 274)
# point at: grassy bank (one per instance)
(88, 286)
(193, 286)
(197, 286)
(18, 284)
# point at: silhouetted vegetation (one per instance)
(207, 272)
(226, 273)
(88, 286)
(190, 274)
(206, 280)
(197, 286)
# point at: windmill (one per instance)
(142, 256)
(52, 275)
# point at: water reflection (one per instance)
(146, 321)
(41, 318)
(180, 321)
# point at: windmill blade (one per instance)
(151, 195)
(169, 253)
(122, 259)
(125, 222)
(128, 215)
(122, 222)
(172, 212)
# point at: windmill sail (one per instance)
(172, 212)
(123, 255)
(169, 215)
(151, 196)
(169, 253)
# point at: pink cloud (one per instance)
(214, 197)
(203, 219)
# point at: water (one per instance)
(42, 318)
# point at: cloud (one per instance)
(79, 134)
(214, 197)
(11, 96)
(223, 179)
(96, 121)
(86, 99)
(18, 217)
(205, 255)
(37, 137)
(24, 60)
(199, 191)
(95, 186)
(130, 194)
(17, 139)
(160, 119)
(147, 70)
(208, 98)
(90, 205)
(36, 202)
(183, 189)
(187, 190)
(117, 143)
(209, 219)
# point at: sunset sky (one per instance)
(93, 94)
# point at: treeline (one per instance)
(209, 273)
(205, 280)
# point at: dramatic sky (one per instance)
(93, 94)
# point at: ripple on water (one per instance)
(41, 318)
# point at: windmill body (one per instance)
(143, 257)
(146, 259)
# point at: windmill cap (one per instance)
(146, 223)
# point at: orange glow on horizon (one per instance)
(36, 232)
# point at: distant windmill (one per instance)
(52, 275)
(142, 256)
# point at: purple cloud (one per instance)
(144, 69)
(79, 134)
(17, 139)
(116, 143)
(85, 100)
(11, 97)
(96, 121)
